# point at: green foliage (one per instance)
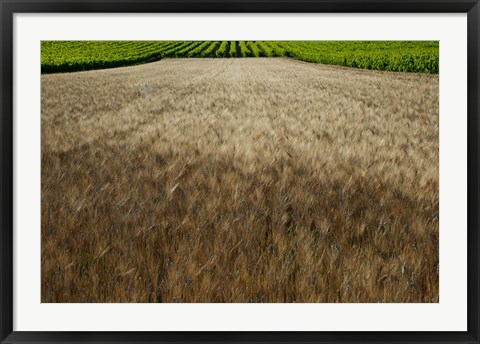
(266, 50)
(244, 50)
(209, 51)
(276, 48)
(233, 49)
(198, 50)
(397, 56)
(408, 56)
(221, 52)
(187, 51)
(67, 56)
(254, 49)
(173, 49)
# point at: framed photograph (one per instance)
(239, 171)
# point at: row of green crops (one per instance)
(233, 49)
(244, 51)
(408, 56)
(223, 49)
(255, 51)
(186, 47)
(420, 57)
(61, 56)
(211, 49)
(198, 50)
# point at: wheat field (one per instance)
(239, 180)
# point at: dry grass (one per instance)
(239, 180)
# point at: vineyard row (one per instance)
(65, 56)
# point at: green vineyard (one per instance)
(400, 56)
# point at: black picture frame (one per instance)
(10, 7)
